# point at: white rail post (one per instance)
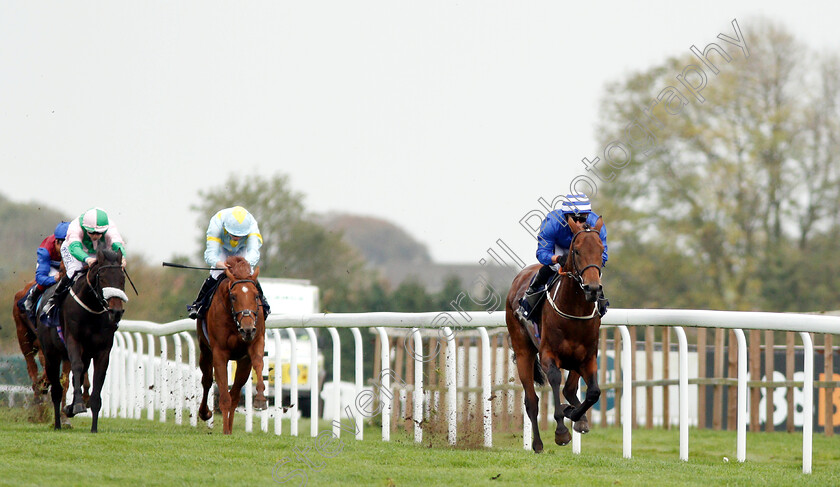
(131, 390)
(124, 386)
(293, 374)
(626, 392)
(150, 378)
(385, 393)
(278, 385)
(486, 386)
(139, 377)
(249, 400)
(314, 388)
(163, 389)
(179, 382)
(107, 385)
(336, 412)
(357, 338)
(807, 403)
(418, 385)
(193, 379)
(451, 385)
(741, 452)
(683, 345)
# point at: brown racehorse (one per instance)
(29, 346)
(235, 331)
(570, 324)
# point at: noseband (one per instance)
(245, 313)
(98, 291)
(577, 275)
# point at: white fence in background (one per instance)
(141, 377)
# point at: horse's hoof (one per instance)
(68, 411)
(205, 414)
(260, 404)
(582, 427)
(538, 447)
(78, 408)
(563, 438)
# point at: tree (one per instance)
(708, 200)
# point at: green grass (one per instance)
(139, 452)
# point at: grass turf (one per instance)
(141, 452)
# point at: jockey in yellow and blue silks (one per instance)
(231, 232)
(553, 243)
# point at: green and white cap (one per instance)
(95, 220)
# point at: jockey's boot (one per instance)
(60, 291)
(532, 297)
(603, 303)
(266, 308)
(31, 296)
(195, 310)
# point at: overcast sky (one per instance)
(448, 118)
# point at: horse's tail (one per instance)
(539, 377)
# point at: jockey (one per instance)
(48, 258)
(232, 231)
(92, 231)
(554, 240)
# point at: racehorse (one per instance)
(570, 324)
(30, 347)
(89, 321)
(233, 329)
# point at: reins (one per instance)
(97, 292)
(577, 276)
(244, 313)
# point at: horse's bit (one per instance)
(238, 315)
(577, 275)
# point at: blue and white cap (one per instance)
(576, 203)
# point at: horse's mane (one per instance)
(110, 255)
(239, 267)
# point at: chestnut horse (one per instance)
(235, 330)
(89, 316)
(570, 323)
(30, 347)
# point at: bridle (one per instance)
(244, 313)
(99, 292)
(577, 276)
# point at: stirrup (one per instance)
(193, 312)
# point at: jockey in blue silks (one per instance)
(231, 232)
(553, 243)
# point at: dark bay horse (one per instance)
(235, 330)
(90, 315)
(570, 324)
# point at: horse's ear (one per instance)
(100, 255)
(256, 273)
(229, 274)
(599, 224)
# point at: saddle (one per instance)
(532, 307)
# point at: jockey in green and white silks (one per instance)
(91, 232)
(231, 232)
